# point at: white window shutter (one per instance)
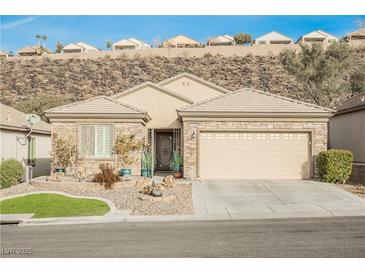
(87, 140)
(103, 141)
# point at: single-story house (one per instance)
(273, 38)
(33, 149)
(355, 35)
(317, 36)
(347, 131)
(3, 54)
(33, 51)
(221, 134)
(181, 41)
(78, 47)
(130, 43)
(221, 40)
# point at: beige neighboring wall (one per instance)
(191, 89)
(347, 131)
(161, 107)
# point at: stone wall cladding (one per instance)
(319, 137)
(69, 130)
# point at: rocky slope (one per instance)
(79, 79)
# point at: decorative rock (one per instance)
(143, 182)
(169, 182)
(147, 190)
(156, 193)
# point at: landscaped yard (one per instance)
(53, 205)
(124, 195)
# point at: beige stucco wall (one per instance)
(318, 132)
(12, 148)
(347, 131)
(69, 129)
(192, 89)
(161, 107)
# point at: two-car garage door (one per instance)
(254, 155)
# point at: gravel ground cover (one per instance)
(124, 195)
(358, 190)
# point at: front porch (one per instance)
(163, 142)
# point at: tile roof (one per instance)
(96, 105)
(248, 100)
(15, 119)
(354, 103)
(154, 86)
(273, 36)
(194, 78)
(181, 39)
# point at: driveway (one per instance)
(256, 199)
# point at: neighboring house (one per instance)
(273, 38)
(131, 43)
(33, 51)
(3, 54)
(221, 134)
(356, 35)
(356, 38)
(347, 131)
(34, 150)
(222, 40)
(181, 41)
(79, 47)
(317, 36)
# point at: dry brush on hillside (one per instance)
(77, 79)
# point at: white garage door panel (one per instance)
(254, 155)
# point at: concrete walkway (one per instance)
(260, 199)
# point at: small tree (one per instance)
(242, 38)
(44, 37)
(59, 47)
(323, 73)
(357, 80)
(125, 148)
(38, 105)
(109, 44)
(64, 152)
(38, 37)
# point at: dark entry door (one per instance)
(163, 151)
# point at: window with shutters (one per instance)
(95, 141)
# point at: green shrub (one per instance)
(11, 172)
(334, 165)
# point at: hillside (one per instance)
(79, 79)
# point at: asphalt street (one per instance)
(312, 237)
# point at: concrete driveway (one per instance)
(256, 199)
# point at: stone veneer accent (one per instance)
(319, 137)
(70, 130)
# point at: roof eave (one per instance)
(144, 116)
(222, 114)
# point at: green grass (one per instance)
(53, 205)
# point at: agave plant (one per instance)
(147, 159)
(176, 161)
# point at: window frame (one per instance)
(79, 155)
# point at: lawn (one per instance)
(53, 205)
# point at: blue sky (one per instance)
(19, 31)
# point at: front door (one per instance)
(164, 149)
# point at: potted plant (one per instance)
(146, 162)
(64, 152)
(176, 164)
(126, 148)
